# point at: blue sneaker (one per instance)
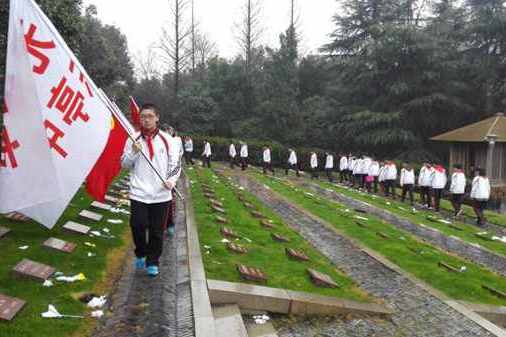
(153, 271)
(170, 231)
(140, 263)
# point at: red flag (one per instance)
(136, 116)
(108, 165)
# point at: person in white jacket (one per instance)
(267, 163)
(206, 154)
(232, 153)
(149, 195)
(354, 171)
(373, 172)
(390, 178)
(188, 150)
(244, 156)
(343, 168)
(424, 180)
(313, 162)
(457, 189)
(381, 177)
(407, 182)
(364, 170)
(438, 183)
(480, 193)
(292, 162)
(329, 166)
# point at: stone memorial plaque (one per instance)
(383, 235)
(209, 195)
(361, 224)
(75, 227)
(321, 279)
(266, 224)
(494, 291)
(91, 215)
(4, 231)
(279, 238)
(218, 209)
(251, 274)
(101, 205)
(221, 219)
(257, 214)
(60, 245)
(448, 267)
(227, 232)
(9, 307)
(208, 190)
(237, 248)
(298, 255)
(249, 205)
(216, 203)
(110, 198)
(33, 270)
(204, 185)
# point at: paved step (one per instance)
(228, 321)
(261, 330)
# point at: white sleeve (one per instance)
(129, 157)
(174, 164)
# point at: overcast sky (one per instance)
(142, 20)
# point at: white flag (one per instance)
(57, 124)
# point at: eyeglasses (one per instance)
(148, 116)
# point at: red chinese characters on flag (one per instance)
(8, 157)
(35, 48)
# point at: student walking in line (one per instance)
(329, 166)
(232, 153)
(438, 183)
(267, 163)
(390, 178)
(407, 182)
(314, 165)
(373, 172)
(188, 150)
(457, 189)
(292, 162)
(244, 156)
(343, 168)
(206, 155)
(424, 182)
(480, 194)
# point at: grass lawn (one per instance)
(98, 271)
(425, 217)
(264, 252)
(412, 255)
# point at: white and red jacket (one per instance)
(374, 169)
(407, 177)
(292, 158)
(343, 164)
(329, 162)
(390, 172)
(244, 151)
(480, 188)
(458, 184)
(438, 178)
(267, 155)
(145, 185)
(425, 175)
(231, 151)
(314, 161)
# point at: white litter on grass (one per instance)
(389, 203)
(241, 188)
(402, 238)
(115, 221)
(207, 247)
(401, 208)
(96, 233)
(310, 194)
(261, 319)
(119, 210)
(89, 244)
(97, 314)
(24, 247)
(245, 238)
(225, 241)
(47, 283)
(97, 302)
(71, 279)
(462, 269)
(53, 313)
(413, 210)
(106, 230)
(347, 210)
(482, 233)
(90, 254)
(360, 217)
(267, 187)
(445, 221)
(499, 238)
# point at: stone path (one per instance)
(158, 307)
(417, 312)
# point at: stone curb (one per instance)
(282, 301)
(202, 312)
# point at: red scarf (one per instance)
(439, 168)
(148, 135)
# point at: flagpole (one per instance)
(115, 111)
